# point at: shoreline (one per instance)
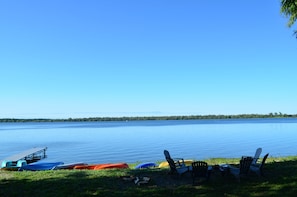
(143, 118)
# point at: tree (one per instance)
(289, 9)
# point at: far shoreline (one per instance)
(143, 118)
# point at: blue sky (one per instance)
(74, 58)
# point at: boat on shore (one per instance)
(146, 165)
(165, 164)
(38, 166)
(102, 166)
(69, 166)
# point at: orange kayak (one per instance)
(85, 167)
(102, 166)
(109, 166)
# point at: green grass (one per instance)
(280, 180)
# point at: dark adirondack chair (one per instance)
(243, 169)
(177, 165)
(200, 170)
(258, 168)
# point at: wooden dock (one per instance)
(30, 155)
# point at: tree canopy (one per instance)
(289, 9)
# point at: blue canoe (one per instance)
(40, 166)
(146, 165)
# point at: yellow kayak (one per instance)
(165, 164)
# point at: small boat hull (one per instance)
(40, 166)
(102, 166)
(146, 165)
(85, 167)
(165, 164)
(69, 166)
(112, 166)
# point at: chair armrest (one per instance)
(257, 165)
(232, 167)
(179, 161)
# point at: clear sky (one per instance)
(91, 58)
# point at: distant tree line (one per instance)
(189, 117)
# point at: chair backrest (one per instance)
(170, 162)
(167, 155)
(263, 162)
(21, 163)
(257, 155)
(172, 165)
(245, 164)
(6, 164)
(199, 169)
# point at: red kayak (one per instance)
(109, 166)
(102, 166)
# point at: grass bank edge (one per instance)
(6, 175)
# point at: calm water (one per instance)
(141, 141)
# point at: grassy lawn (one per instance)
(280, 180)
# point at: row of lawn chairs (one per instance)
(200, 169)
(247, 164)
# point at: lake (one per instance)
(142, 141)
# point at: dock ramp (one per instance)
(30, 155)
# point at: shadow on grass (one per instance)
(280, 180)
